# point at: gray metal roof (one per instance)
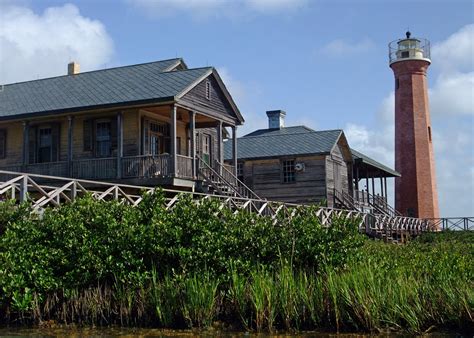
(287, 141)
(130, 84)
(359, 157)
(297, 140)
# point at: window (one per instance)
(208, 90)
(3, 143)
(397, 83)
(240, 171)
(103, 139)
(288, 167)
(405, 54)
(45, 145)
(429, 134)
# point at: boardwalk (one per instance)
(49, 191)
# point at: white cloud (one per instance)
(456, 52)
(453, 94)
(340, 47)
(215, 8)
(36, 45)
(452, 107)
(235, 87)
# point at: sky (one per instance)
(324, 62)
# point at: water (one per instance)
(146, 332)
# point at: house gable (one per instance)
(211, 97)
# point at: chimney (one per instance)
(73, 68)
(276, 119)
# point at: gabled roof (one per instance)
(298, 140)
(372, 164)
(143, 83)
(288, 141)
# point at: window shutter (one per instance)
(55, 141)
(3, 143)
(113, 133)
(32, 145)
(88, 134)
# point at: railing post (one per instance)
(192, 128)
(119, 143)
(174, 159)
(23, 188)
(74, 190)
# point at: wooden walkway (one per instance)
(44, 191)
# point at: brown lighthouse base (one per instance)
(415, 191)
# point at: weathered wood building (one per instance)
(300, 165)
(147, 124)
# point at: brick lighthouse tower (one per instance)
(415, 191)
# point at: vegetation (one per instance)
(104, 263)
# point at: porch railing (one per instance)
(146, 166)
(184, 166)
(95, 168)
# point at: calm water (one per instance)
(141, 332)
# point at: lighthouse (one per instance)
(415, 191)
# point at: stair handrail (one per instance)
(387, 209)
(253, 194)
(219, 176)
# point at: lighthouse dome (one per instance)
(409, 49)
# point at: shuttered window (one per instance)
(100, 136)
(44, 144)
(3, 143)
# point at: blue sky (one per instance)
(323, 62)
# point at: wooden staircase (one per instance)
(219, 180)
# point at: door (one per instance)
(337, 177)
(206, 148)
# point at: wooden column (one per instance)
(119, 143)
(381, 184)
(192, 129)
(174, 157)
(234, 149)
(70, 127)
(357, 179)
(219, 146)
(385, 184)
(26, 141)
(373, 187)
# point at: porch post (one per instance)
(174, 157)
(70, 121)
(357, 179)
(26, 141)
(234, 149)
(219, 146)
(381, 184)
(192, 128)
(385, 184)
(373, 187)
(119, 143)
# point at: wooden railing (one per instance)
(146, 166)
(58, 190)
(95, 168)
(184, 166)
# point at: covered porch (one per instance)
(152, 145)
(370, 184)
